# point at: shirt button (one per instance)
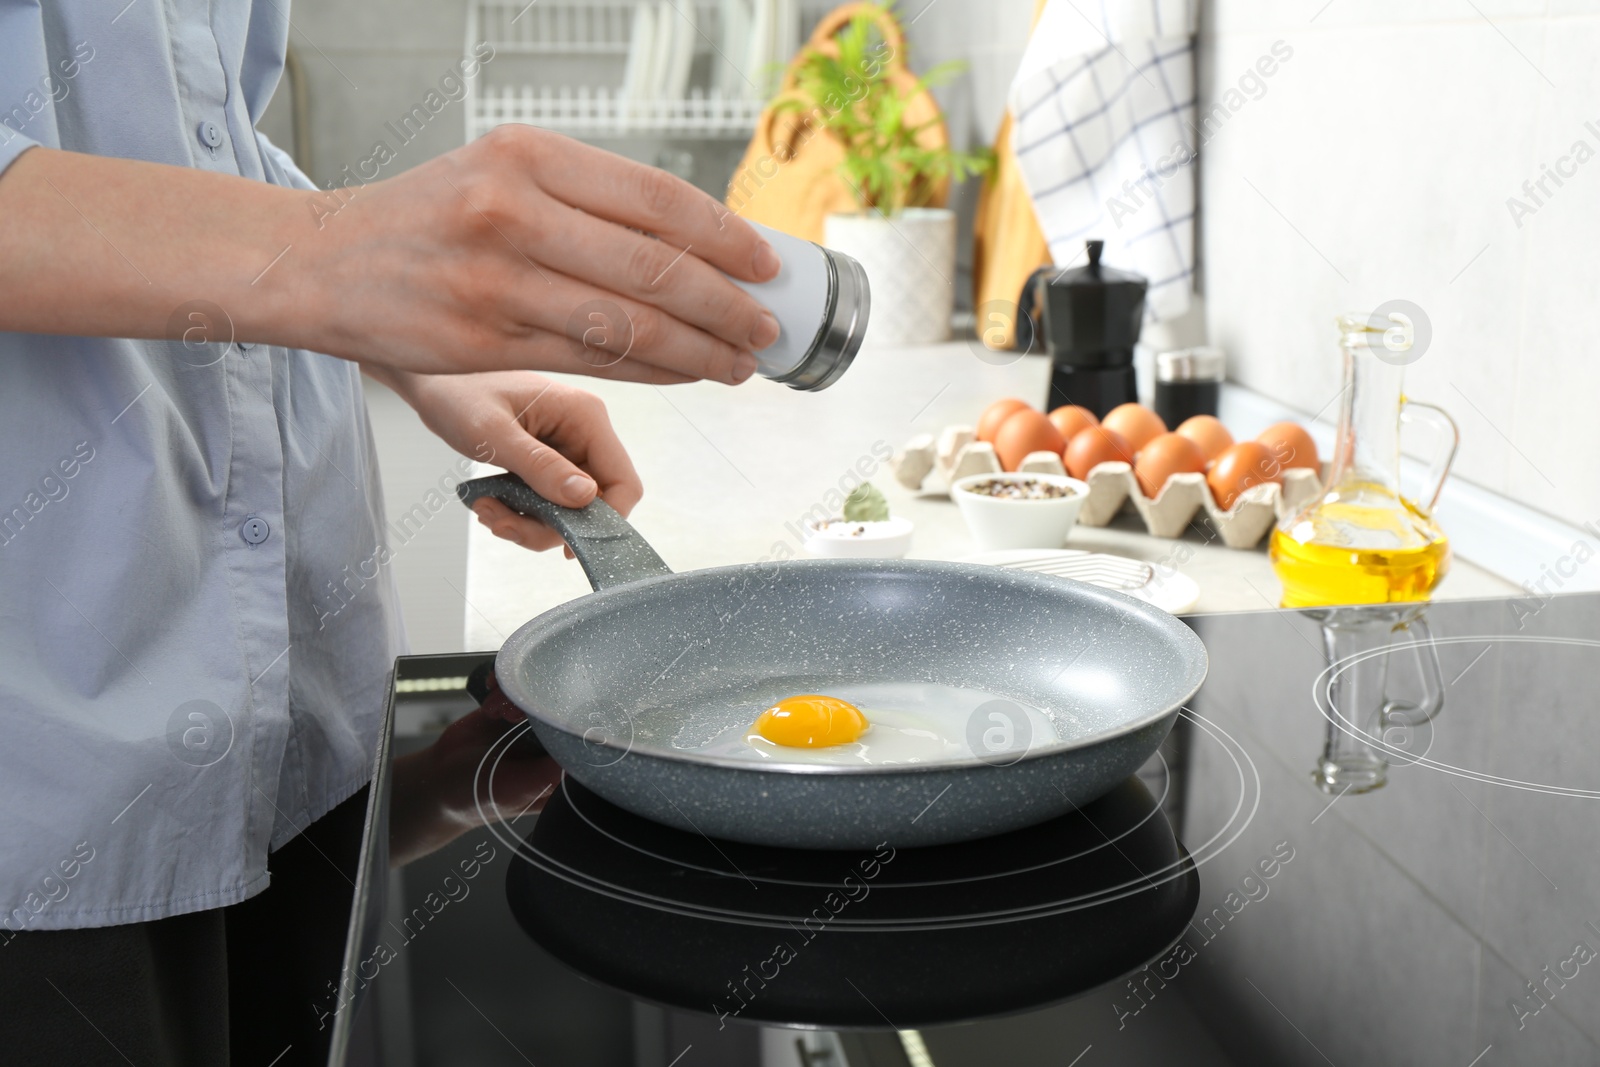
(255, 530)
(243, 346)
(210, 134)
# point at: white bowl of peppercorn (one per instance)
(1019, 510)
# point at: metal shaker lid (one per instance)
(844, 324)
(1203, 364)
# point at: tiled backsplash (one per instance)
(1386, 160)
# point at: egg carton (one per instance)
(955, 454)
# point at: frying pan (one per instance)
(620, 685)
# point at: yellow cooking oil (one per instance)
(1359, 545)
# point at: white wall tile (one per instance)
(1561, 8)
(1551, 413)
(1248, 16)
(1376, 167)
(989, 38)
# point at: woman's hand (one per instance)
(523, 249)
(557, 438)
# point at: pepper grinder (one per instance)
(1089, 320)
(1188, 383)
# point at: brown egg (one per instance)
(1095, 446)
(1137, 424)
(1070, 419)
(1246, 464)
(1290, 446)
(996, 414)
(1207, 432)
(1025, 431)
(1164, 456)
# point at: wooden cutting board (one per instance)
(789, 178)
(1007, 244)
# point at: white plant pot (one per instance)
(910, 260)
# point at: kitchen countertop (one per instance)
(730, 474)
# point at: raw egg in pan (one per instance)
(810, 721)
(880, 724)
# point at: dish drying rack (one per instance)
(600, 112)
(603, 32)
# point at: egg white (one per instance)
(909, 724)
(892, 737)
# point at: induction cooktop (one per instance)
(1225, 906)
(904, 938)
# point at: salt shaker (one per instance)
(821, 301)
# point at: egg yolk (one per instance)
(811, 721)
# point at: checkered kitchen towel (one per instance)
(1103, 105)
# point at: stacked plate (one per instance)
(752, 38)
(1161, 586)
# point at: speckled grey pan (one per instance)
(605, 680)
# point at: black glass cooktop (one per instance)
(839, 939)
(1371, 838)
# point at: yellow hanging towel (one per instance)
(1007, 244)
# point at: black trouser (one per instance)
(242, 986)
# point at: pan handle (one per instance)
(611, 551)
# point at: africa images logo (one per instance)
(199, 733)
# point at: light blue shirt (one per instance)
(197, 621)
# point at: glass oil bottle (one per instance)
(1361, 542)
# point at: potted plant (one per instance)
(897, 162)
